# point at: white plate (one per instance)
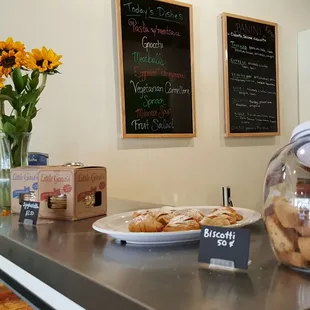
(116, 226)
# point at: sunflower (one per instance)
(9, 44)
(18, 46)
(43, 60)
(10, 60)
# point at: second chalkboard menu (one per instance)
(250, 50)
(156, 68)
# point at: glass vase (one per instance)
(13, 153)
(19, 144)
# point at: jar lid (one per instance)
(73, 163)
(302, 149)
(300, 131)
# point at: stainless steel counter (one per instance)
(92, 270)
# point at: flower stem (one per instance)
(43, 84)
(1, 114)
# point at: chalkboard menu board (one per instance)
(156, 68)
(250, 76)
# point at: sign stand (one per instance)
(224, 248)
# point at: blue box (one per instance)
(37, 159)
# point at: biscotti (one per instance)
(286, 213)
(304, 246)
(283, 240)
(289, 232)
(304, 231)
(293, 258)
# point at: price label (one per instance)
(29, 212)
(219, 245)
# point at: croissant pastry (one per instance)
(164, 215)
(145, 223)
(217, 221)
(224, 213)
(193, 213)
(225, 216)
(141, 212)
(181, 223)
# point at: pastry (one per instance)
(238, 216)
(181, 223)
(286, 213)
(224, 216)
(293, 258)
(164, 215)
(304, 247)
(224, 213)
(194, 213)
(303, 231)
(217, 221)
(141, 212)
(283, 240)
(145, 223)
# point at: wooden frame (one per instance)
(121, 77)
(226, 77)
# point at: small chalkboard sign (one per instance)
(251, 80)
(156, 69)
(29, 212)
(224, 247)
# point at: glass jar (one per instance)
(287, 201)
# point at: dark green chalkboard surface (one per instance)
(250, 50)
(156, 69)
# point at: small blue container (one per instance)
(37, 159)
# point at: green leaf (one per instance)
(28, 98)
(6, 118)
(8, 91)
(35, 74)
(15, 103)
(34, 82)
(29, 127)
(18, 80)
(25, 80)
(5, 97)
(21, 124)
(9, 129)
(30, 111)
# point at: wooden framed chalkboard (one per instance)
(156, 69)
(251, 78)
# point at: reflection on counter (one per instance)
(286, 282)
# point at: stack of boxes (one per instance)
(64, 192)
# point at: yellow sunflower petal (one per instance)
(9, 43)
(36, 54)
(18, 46)
(2, 80)
(41, 69)
(58, 57)
(44, 52)
(50, 55)
(20, 59)
(6, 71)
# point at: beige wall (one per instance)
(79, 119)
(304, 75)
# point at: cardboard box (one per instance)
(24, 180)
(67, 192)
